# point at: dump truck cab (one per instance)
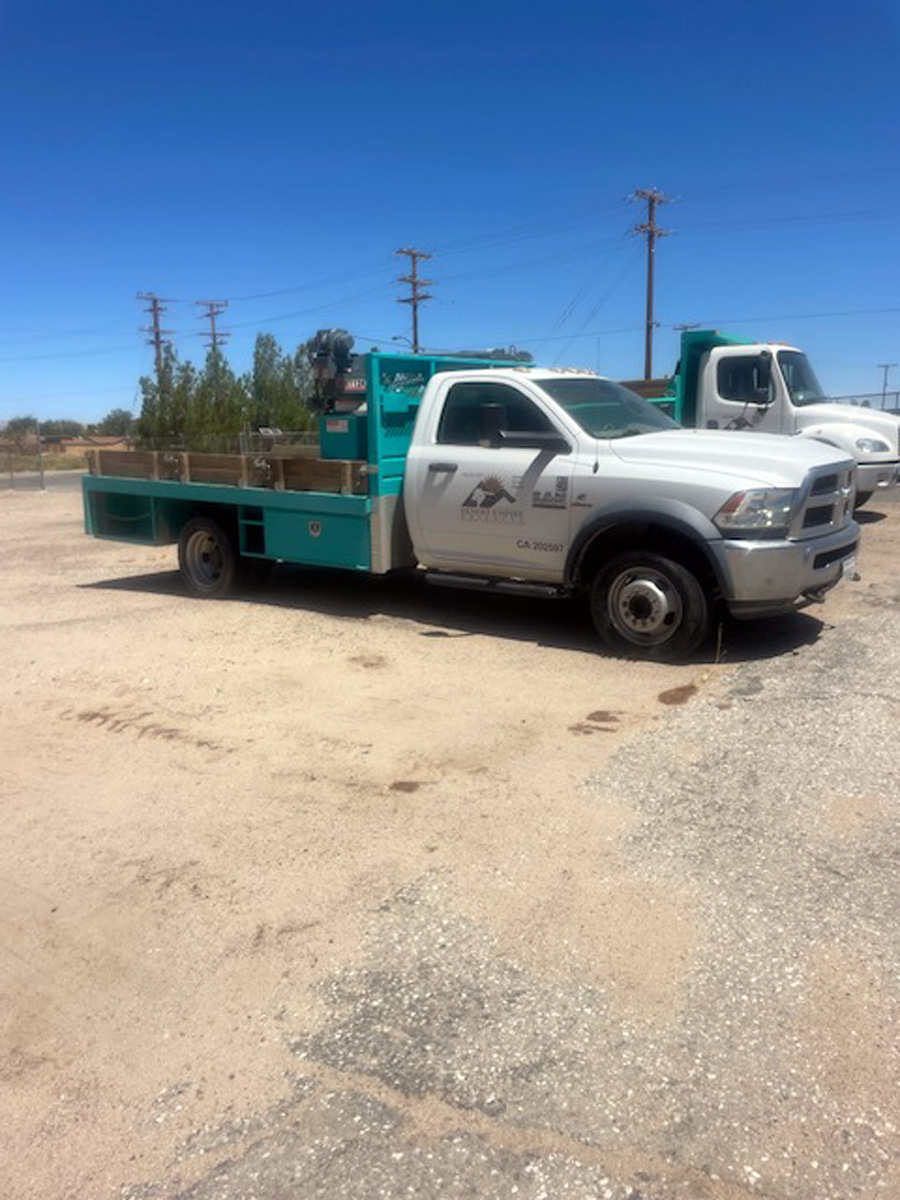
(724, 382)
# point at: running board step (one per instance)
(481, 583)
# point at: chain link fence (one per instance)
(30, 466)
(883, 401)
(247, 441)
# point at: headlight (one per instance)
(871, 445)
(765, 510)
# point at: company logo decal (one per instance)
(487, 493)
(558, 498)
(489, 501)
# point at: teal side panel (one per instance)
(394, 387)
(122, 518)
(344, 436)
(323, 540)
(319, 528)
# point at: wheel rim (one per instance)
(644, 606)
(204, 559)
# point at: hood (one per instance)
(881, 424)
(767, 459)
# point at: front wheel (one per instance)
(647, 606)
(207, 559)
(861, 499)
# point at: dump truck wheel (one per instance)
(647, 606)
(207, 559)
(861, 499)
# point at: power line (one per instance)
(575, 252)
(381, 290)
(651, 231)
(802, 219)
(708, 324)
(605, 296)
(416, 283)
(809, 316)
(523, 232)
(802, 182)
(367, 268)
(129, 345)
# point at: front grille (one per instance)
(827, 503)
(825, 483)
(821, 515)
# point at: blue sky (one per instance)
(276, 154)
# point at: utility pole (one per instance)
(651, 231)
(416, 296)
(884, 367)
(214, 309)
(155, 307)
(216, 336)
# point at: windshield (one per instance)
(605, 409)
(800, 378)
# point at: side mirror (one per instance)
(763, 379)
(491, 420)
(549, 443)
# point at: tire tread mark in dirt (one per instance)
(139, 725)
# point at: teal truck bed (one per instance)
(338, 507)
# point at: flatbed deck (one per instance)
(293, 469)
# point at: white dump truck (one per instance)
(722, 382)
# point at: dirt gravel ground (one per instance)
(342, 889)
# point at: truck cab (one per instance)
(723, 382)
(566, 479)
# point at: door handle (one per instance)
(448, 467)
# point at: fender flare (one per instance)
(673, 515)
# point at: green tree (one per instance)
(277, 387)
(156, 424)
(216, 413)
(20, 431)
(62, 428)
(207, 409)
(118, 421)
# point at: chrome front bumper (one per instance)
(870, 477)
(766, 577)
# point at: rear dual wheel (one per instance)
(207, 559)
(645, 605)
(209, 563)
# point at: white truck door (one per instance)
(739, 390)
(478, 505)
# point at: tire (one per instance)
(207, 559)
(861, 499)
(647, 606)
